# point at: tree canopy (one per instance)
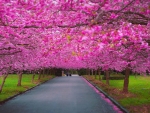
(74, 34)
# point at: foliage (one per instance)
(75, 34)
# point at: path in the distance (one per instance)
(59, 95)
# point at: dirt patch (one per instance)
(26, 87)
(139, 109)
(113, 92)
(117, 94)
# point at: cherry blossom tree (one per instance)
(75, 34)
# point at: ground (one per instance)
(118, 95)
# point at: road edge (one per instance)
(109, 97)
(6, 100)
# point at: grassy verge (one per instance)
(140, 86)
(10, 87)
(138, 99)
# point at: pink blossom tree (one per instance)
(106, 34)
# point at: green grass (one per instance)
(10, 87)
(140, 86)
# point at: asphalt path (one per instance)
(59, 95)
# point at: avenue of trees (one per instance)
(73, 34)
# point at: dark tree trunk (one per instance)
(126, 80)
(33, 76)
(19, 78)
(47, 72)
(86, 71)
(62, 73)
(40, 75)
(89, 72)
(107, 76)
(92, 72)
(3, 82)
(50, 72)
(135, 75)
(99, 74)
(54, 71)
(43, 73)
(58, 72)
(95, 73)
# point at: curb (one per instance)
(110, 98)
(6, 100)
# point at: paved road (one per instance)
(59, 95)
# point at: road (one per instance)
(60, 95)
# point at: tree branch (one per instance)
(125, 6)
(2, 54)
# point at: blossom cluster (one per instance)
(74, 34)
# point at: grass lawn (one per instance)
(139, 86)
(10, 87)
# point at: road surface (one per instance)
(60, 95)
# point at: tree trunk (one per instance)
(19, 78)
(33, 76)
(95, 73)
(54, 71)
(107, 76)
(99, 74)
(49, 71)
(43, 73)
(3, 82)
(92, 72)
(46, 73)
(89, 72)
(135, 75)
(126, 80)
(62, 73)
(86, 71)
(40, 75)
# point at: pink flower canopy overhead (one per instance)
(75, 34)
